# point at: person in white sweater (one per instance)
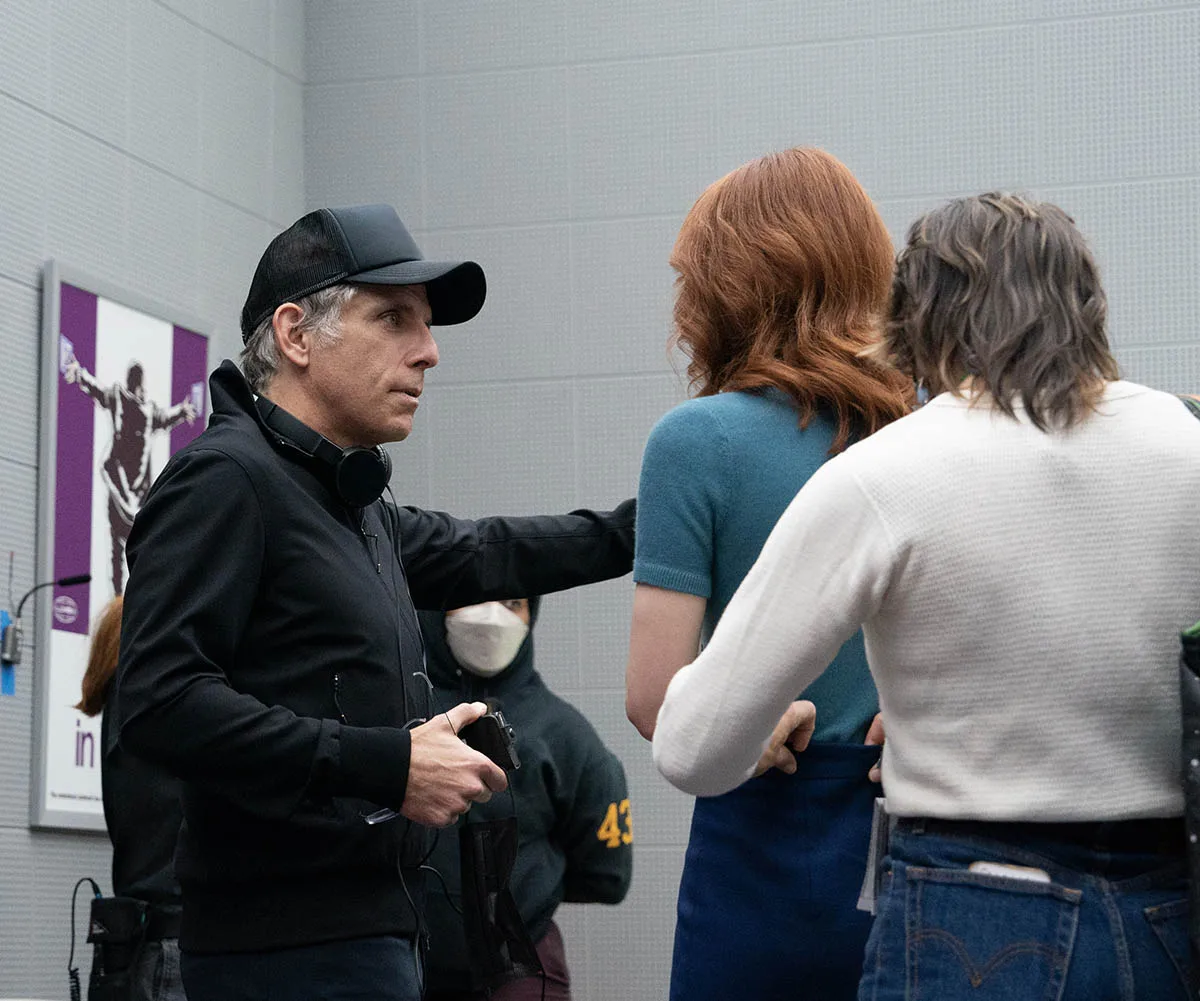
(1021, 554)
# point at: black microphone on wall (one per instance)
(10, 642)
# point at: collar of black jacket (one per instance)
(231, 394)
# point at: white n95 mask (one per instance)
(485, 638)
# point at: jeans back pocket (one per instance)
(1170, 924)
(986, 937)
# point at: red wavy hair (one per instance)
(784, 273)
(102, 658)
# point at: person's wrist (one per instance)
(373, 763)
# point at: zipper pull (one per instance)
(372, 541)
(337, 701)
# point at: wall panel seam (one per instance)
(233, 45)
(885, 201)
(134, 158)
(1020, 23)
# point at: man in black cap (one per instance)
(270, 646)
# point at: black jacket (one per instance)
(268, 649)
(569, 795)
(142, 811)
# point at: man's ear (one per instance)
(293, 342)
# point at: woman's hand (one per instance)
(791, 733)
(875, 738)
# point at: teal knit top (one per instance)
(717, 473)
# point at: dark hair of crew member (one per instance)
(1000, 294)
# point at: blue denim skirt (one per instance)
(770, 882)
(1036, 912)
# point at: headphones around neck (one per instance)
(360, 475)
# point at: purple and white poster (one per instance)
(125, 387)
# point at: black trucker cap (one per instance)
(362, 243)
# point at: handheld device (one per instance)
(492, 735)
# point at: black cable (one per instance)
(72, 971)
(512, 799)
(437, 833)
(436, 710)
(420, 932)
(445, 888)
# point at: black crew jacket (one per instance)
(142, 811)
(570, 798)
(268, 652)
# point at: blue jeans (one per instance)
(1110, 925)
(157, 976)
(361, 969)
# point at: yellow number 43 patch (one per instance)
(610, 830)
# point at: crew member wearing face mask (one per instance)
(570, 798)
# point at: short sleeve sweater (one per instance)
(717, 473)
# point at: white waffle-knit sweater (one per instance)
(1021, 594)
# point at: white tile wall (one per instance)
(1116, 97)
(560, 144)
(157, 146)
(25, 52)
(410, 463)
(525, 330)
(287, 37)
(23, 156)
(362, 39)
(646, 135)
(287, 171)
(621, 294)
(613, 418)
(502, 447)
(35, 915)
(19, 314)
(365, 137)
(163, 217)
(165, 90)
(89, 65)
(496, 149)
(236, 22)
(231, 242)
(1144, 235)
(87, 192)
(237, 116)
(463, 36)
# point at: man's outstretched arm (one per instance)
(452, 562)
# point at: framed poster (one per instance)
(123, 386)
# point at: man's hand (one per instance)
(444, 775)
(875, 737)
(71, 370)
(792, 733)
(188, 411)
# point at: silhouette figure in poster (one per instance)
(126, 471)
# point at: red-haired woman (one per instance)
(784, 268)
(142, 812)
